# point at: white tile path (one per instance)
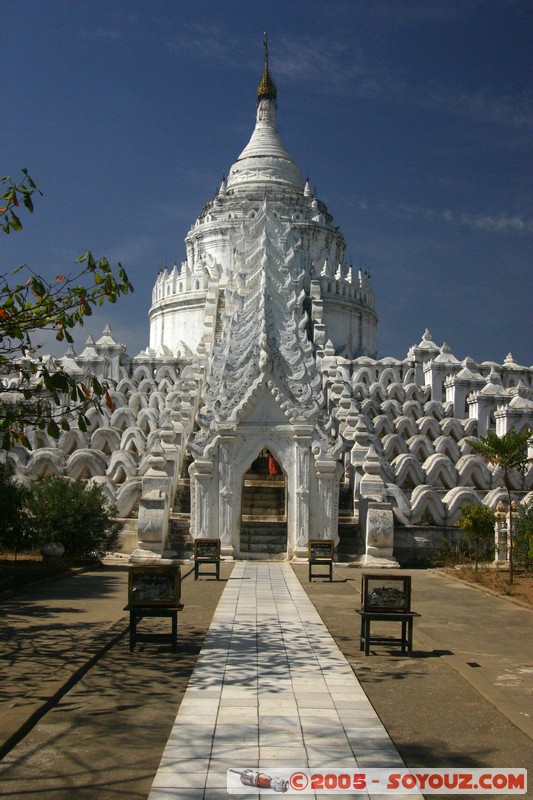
(270, 689)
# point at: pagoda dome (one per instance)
(265, 159)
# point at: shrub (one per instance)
(74, 513)
(451, 553)
(15, 534)
(477, 523)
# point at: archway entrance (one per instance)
(264, 509)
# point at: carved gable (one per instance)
(263, 349)
(264, 409)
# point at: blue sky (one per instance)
(412, 118)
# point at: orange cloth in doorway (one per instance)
(273, 466)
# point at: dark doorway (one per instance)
(264, 509)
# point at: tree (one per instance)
(74, 513)
(523, 535)
(510, 453)
(31, 393)
(477, 522)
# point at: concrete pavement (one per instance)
(50, 633)
(487, 639)
(104, 737)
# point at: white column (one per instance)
(203, 525)
(298, 533)
(228, 521)
(328, 475)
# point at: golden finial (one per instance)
(267, 87)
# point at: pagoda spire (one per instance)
(267, 88)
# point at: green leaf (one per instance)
(53, 429)
(59, 381)
(37, 287)
(16, 224)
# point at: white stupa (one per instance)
(260, 414)
(264, 178)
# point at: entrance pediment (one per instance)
(264, 410)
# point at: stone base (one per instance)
(141, 556)
(300, 553)
(379, 563)
(128, 541)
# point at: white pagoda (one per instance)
(261, 415)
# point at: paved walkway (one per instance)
(465, 697)
(270, 689)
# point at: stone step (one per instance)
(251, 513)
(178, 520)
(263, 538)
(264, 515)
(264, 528)
(187, 461)
(264, 491)
(260, 499)
(351, 544)
(182, 499)
(346, 509)
(260, 547)
(178, 544)
(263, 500)
(180, 550)
(262, 509)
(269, 483)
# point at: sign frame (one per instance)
(154, 585)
